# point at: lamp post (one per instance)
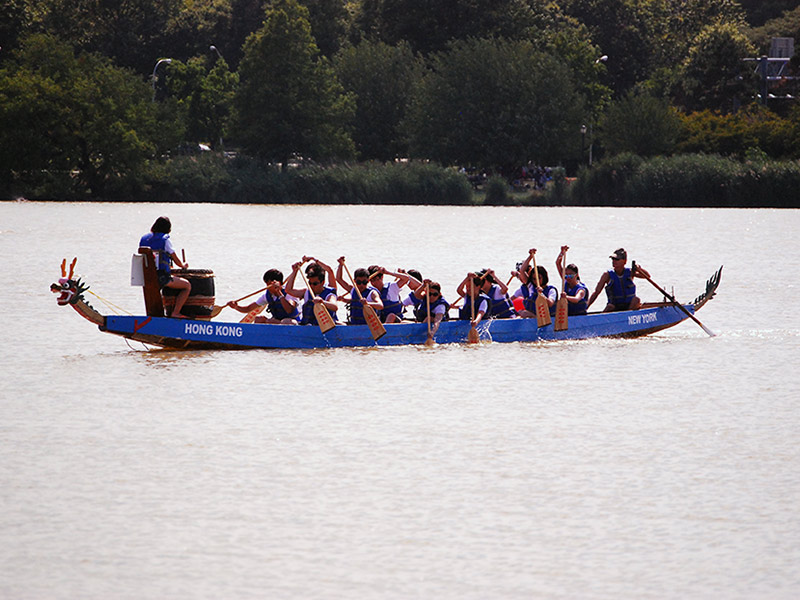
(583, 141)
(213, 48)
(162, 60)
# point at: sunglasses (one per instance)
(312, 282)
(569, 275)
(362, 281)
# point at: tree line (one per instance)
(111, 100)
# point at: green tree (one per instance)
(495, 104)
(204, 98)
(640, 124)
(713, 74)
(289, 101)
(381, 77)
(75, 120)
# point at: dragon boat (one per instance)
(201, 332)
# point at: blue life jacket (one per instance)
(502, 308)
(308, 316)
(620, 290)
(158, 243)
(578, 308)
(275, 307)
(421, 310)
(356, 308)
(390, 307)
(465, 312)
(530, 293)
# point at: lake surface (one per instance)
(661, 467)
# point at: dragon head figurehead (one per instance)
(70, 290)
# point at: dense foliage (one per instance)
(105, 99)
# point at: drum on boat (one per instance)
(201, 299)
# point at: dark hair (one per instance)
(372, 269)
(361, 273)
(414, 273)
(314, 270)
(273, 275)
(434, 285)
(485, 276)
(162, 225)
(572, 267)
(543, 278)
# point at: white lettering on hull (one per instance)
(642, 318)
(208, 329)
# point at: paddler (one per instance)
(574, 290)
(501, 306)
(619, 284)
(439, 307)
(281, 305)
(390, 292)
(158, 240)
(370, 294)
(529, 291)
(318, 293)
(476, 303)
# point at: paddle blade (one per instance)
(251, 316)
(542, 312)
(562, 311)
(472, 336)
(429, 341)
(376, 328)
(324, 318)
(216, 310)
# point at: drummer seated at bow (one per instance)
(370, 294)
(390, 292)
(318, 292)
(619, 284)
(476, 303)
(282, 306)
(439, 307)
(158, 241)
(501, 306)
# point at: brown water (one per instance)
(663, 467)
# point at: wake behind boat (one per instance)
(201, 333)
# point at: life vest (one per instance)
(501, 308)
(465, 312)
(620, 289)
(421, 310)
(356, 309)
(530, 293)
(390, 307)
(578, 308)
(275, 307)
(308, 317)
(158, 243)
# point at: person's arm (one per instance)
(462, 287)
(340, 276)
(577, 297)
(178, 261)
(331, 276)
(559, 261)
(373, 298)
(522, 272)
(639, 271)
(482, 308)
(290, 289)
(287, 302)
(243, 309)
(552, 297)
(438, 315)
(413, 282)
(600, 285)
(329, 302)
(500, 284)
(402, 278)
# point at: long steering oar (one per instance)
(562, 306)
(324, 318)
(542, 307)
(216, 310)
(376, 328)
(472, 336)
(675, 302)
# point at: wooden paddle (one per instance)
(324, 318)
(562, 306)
(671, 299)
(376, 328)
(216, 310)
(472, 336)
(251, 316)
(429, 341)
(542, 307)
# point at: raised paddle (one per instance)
(472, 336)
(542, 307)
(671, 299)
(324, 319)
(429, 340)
(562, 306)
(216, 310)
(376, 328)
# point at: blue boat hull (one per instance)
(198, 334)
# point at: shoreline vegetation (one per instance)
(627, 180)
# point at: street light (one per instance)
(214, 49)
(583, 141)
(163, 60)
